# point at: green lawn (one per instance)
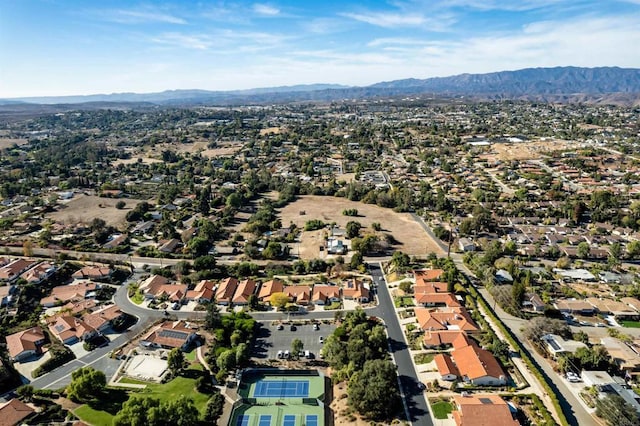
(102, 412)
(401, 302)
(137, 298)
(190, 356)
(423, 358)
(441, 410)
(94, 417)
(131, 381)
(333, 306)
(630, 324)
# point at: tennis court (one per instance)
(281, 388)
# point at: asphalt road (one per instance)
(414, 397)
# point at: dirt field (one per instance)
(224, 149)
(410, 235)
(268, 130)
(84, 208)
(528, 150)
(8, 142)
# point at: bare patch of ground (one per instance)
(411, 237)
(528, 150)
(9, 142)
(271, 130)
(84, 208)
(133, 160)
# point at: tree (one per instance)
(27, 248)
(214, 409)
(137, 411)
(616, 411)
(356, 260)
(86, 384)
(175, 361)
(213, 319)
(583, 250)
(242, 354)
(181, 411)
(405, 286)
(25, 392)
(226, 360)
(253, 302)
(120, 205)
(353, 229)
(296, 347)
(400, 260)
(373, 391)
(633, 249)
(279, 300)
(272, 251)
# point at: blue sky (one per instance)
(65, 47)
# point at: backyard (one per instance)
(102, 411)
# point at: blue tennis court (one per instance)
(243, 420)
(311, 420)
(265, 420)
(282, 389)
(289, 420)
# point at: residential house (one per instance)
(6, 294)
(325, 294)
(71, 329)
(169, 335)
(437, 299)
(632, 301)
(478, 366)
(482, 410)
(354, 289)
(169, 246)
(426, 275)
(75, 308)
(203, 292)
(533, 302)
(171, 292)
(447, 369)
(443, 338)
(72, 292)
(39, 273)
(445, 319)
(25, 344)
(104, 318)
(625, 356)
(152, 283)
(116, 241)
(268, 288)
(573, 306)
(298, 294)
(12, 270)
(245, 289)
(15, 412)
(466, 244)
(93, 273)
(613, 307)
(226, 290)
(556, 345)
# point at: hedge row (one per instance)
(60, 355)
(523, 354)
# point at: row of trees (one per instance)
(358, 352)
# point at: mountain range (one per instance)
(559, 84)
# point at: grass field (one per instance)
(630, 324)
(441, 410)
(403, 301)
(423, 358)
(102, 412)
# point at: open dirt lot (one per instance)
(528, 150)
(411, 237)
(223, 149)
(8, 142)
(84, 208)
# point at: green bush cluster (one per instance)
(60, 355)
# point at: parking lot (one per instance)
(271, 340)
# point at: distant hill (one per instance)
(560, 84)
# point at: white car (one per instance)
(573, 377)
(321, 339)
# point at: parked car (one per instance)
(293, 328)
(280, 354)
(601, 324)
(280, 327)
(421, 386)
(573, 377)
(316, 326)
(321, 339)
(286, 355)
(308, 354)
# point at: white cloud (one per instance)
(388, 20)
(265, 10)
(184, 41)
(123, 16)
